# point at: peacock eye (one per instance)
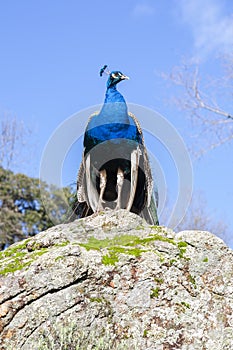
(115, 75)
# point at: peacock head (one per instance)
(114, 77)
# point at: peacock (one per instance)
(115, 172)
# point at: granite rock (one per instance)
(111, 281)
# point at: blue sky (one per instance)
(51, 53)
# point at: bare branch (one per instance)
(213, 122)
(12, 138)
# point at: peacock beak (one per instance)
(124, 77)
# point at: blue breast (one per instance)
(112, 123)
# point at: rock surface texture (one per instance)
(110, 281)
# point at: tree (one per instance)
(22, 213)
(206, 105)
(13, 138)
(206, 101)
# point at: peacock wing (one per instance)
(149, 213)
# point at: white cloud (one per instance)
(212, 28)
(143, 10)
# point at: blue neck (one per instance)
(113, 95)
(114, 108)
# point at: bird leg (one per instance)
(134, 176)
(103, 182)
(92, 193)
(120, 180)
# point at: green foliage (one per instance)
(22, 213)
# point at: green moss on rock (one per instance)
(158, 280)
(187, 305)
(15, 265)
(154, 293)
(182, 249)
(182, 244)
(17, 257)
(96, 300)
(112, 257)
(192, 280)
(124, 240)
(123, 244)
(62, 244)
(14, 249)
